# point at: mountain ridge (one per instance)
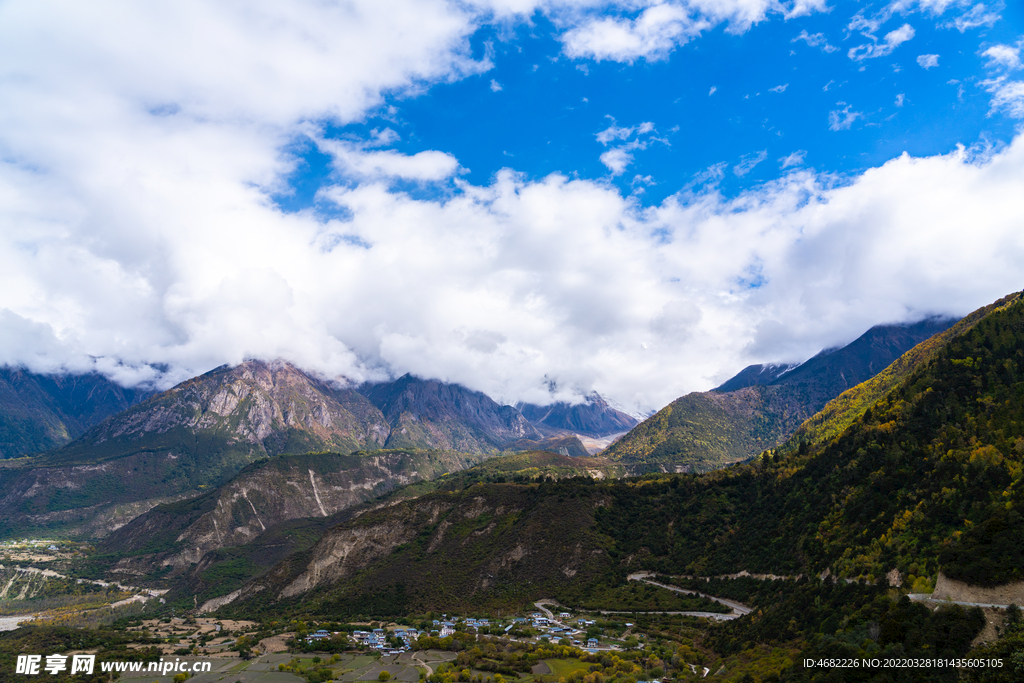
(704, 430)
(39, 412)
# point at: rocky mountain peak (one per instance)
(593, 417)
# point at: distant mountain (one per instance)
(762, 406)
(756, 375)
(198, 434)
(841, 411)
(438, 415)
(41, 412)
(593, 418)
(833, 371)
(202, 432)
(563, 444)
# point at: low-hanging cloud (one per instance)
(141, 240)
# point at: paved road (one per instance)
(738, 608)
(927, 597)
(718, 616)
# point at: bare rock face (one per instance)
(258, 403)
(958, 591)
(267, 494)
(434, 414)
(341, 554)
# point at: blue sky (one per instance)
(635, 197)
(740, 107)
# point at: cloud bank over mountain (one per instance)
(142, 236)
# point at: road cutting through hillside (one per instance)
(738, 608)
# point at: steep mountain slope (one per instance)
(434, 414)
(40, 412)
(564, 445)
(841, 412)
(929, 479)
(594, 417)
(198, 434)
(244, 527)
(490, 544)
(267, 493)
(702, 431)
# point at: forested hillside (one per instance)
(762, 406)
(927, 478)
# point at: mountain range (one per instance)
(924, 481)
(763, 405)
(201, 433)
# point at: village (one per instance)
(536, 647)
(538, 627)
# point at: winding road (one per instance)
(738, 608)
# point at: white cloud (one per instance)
(652, 35)
(614, 132)
(779, 88)
(794, 159)
(712, 91)
(1003, 55)
(748, 162)
(354, 161)
(815, 40)
(977, 16)
(620, 157)
(927, 61)
(495, 86)
(892, 40)
(1007, 96)
(651, 29)
(143, 146)
(842, 119)
(617, 160)
(899, 99)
